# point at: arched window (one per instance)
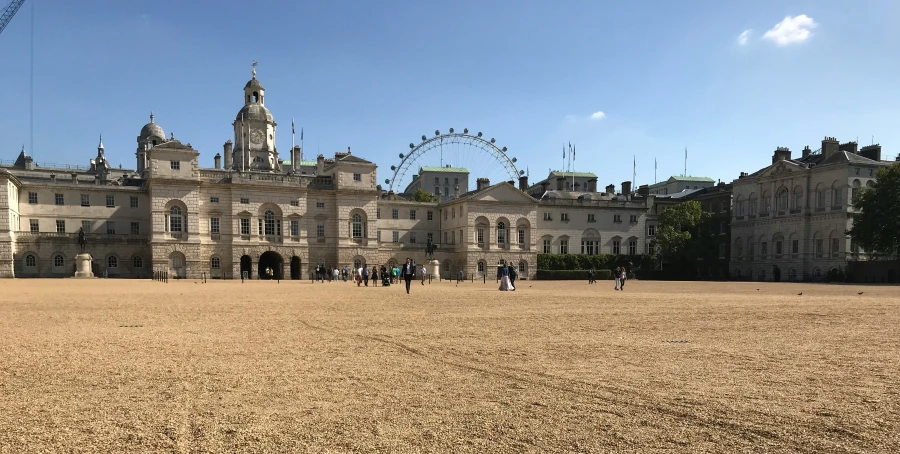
(356, 227)
(501, 233)
(175, 219)
(782, 200)
(30, 261)
(112, 262)
(357, 263)
(214, 263)
(269, 222)
(480, 267)
(854, 192)
(798, 198)
(58, 260)
(176, 262)
(137, 262)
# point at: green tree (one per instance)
(876, 228)
(422, 196)
(675, 224)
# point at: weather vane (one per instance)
(254, 69)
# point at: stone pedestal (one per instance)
(83, 265)
(433, 267)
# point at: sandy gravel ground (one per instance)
(139, 366)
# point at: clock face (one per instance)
(256, 136)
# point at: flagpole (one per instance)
(685, 161)
(243, 144)
(301, 144)
(573, 168)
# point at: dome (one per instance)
(254, 112)
(152, 130)
(253, 83)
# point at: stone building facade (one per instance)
(793, 214)
(255, 212)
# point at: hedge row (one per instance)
(572, 275)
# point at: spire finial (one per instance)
(254, 69)
(151, 116)
(100, 147)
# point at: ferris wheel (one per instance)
(480, 156)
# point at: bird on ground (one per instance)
(860, 293)
(799, 293)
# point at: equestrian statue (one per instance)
(430, 247)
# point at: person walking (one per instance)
(422, 271)
(409, 271)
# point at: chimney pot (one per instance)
(217, 159)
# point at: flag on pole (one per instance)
(301, 133)
(293, 130)
(564, 151)
(573, 153)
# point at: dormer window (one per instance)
(175, 165)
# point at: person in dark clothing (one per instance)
(409, 272)
(513, 274)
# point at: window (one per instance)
(395, 236)
(356, 226)
(563, 246)
(412, 237)
(60, 226)
(546, 246)
(782, 200)
(32, 198)
(547, 217)
(795, 248)
(632, 219)
(453, 213)
(522, 266)
(764, 250)
(112, 262)
(412, 215)
(133, 202)
(175, 165)
(34, 226)
(590, 247)
(616, 247)
(320, 230)
(591, 217)
(632, 247)
(245, 226)
(215, 263)
(479, 236)
(357, 177)
(521, 236)
(59, 261)
(135, 228)
(617, 218)
(175, 219)
(137, 262)
(110, 227)
(501, 233)
(446, 238)
(295, 203)
(835, 247)
(269, 217)
(753, 205)
(453, 237)
(779, 248)
(820, 248)
(85, 200)
(320, 204)
(110, 201)
(30, 261)
(836, 197)
(651, 230)
(214, 226)
(395, 214)
(59, 199)
(820, 198)
(429, 215)
(480, 267)
(437, 181)
(213, 199)
(564, 217)
(86, 226)
(378, 213)
(295, 228)
(245, 201)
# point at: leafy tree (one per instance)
(422, 196)
(675, 224)
(877, 227)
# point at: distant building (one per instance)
(564, 181)
(676, 184)
(794, 213)
(445, 182)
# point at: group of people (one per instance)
(388, 274)
(507, 275)
(620, 273)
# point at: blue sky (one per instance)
(377, 75)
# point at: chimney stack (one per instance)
(482, 183)
(217, 159)
(229, 155)
(611, 189)
(806, 152)
(872, 152)
(643, 190)
(781, 154)
(320, 165)
(830, 146)
(523, 183)
(849, 147)
(626, 188)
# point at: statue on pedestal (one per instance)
(430, 247)
(82, 239)
(83, 260)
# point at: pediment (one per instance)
(780, 168)
(503, 192)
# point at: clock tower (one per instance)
(254, 131)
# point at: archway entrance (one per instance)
(295, 268)
(270, 260)
(246, 266)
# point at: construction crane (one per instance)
(9, 12)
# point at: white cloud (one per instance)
(743, 37)
(792, 30)
(598, 115)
